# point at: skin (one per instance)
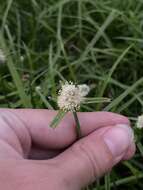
(35, 157)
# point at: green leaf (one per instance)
(118, 100)
(57, 118)
(96, 100)
(43, 98)
(25, 99)
(113, 68)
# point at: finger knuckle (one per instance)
(83, 151)
(98, 160)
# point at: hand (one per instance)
(36, 157)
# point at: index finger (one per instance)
(37, 122)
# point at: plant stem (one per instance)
(107, 181)
(78, 128)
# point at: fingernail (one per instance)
(118, 140)
(129, 131)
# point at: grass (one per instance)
(87, 41)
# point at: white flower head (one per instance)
(21, 58)
(38, 88)
(71, 96)
(2, 57)
(84, 89)
(139, 123)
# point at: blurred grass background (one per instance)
(97, 42)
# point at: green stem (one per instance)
(107, 181)
(78, 128)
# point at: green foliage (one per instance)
(96, 42)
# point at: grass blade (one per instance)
(107, 80)
(57, 118)
(9, 4)
(116, 101)
(15, 75)
(96, 100)
(45, 101)
(109, 19)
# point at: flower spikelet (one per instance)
(71, 96)
(139, 123)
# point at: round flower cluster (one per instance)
(139, 123)
(71, 96)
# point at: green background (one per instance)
(97, 42)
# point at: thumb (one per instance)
(91, 157)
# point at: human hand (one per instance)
(36, 157)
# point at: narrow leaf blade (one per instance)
(57, 118)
